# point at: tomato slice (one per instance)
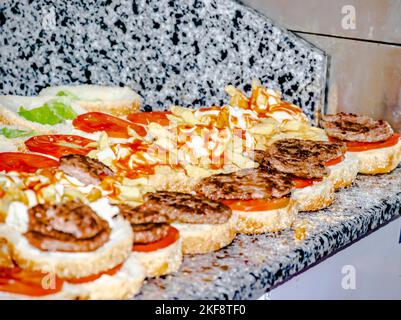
(171, 237)
(257, 204)
(58, 145)
(334, 161)
(30, 283)
(145, 118)
(363, 146)
(94, 277)
(115, 127)
(24, 162)
(303, 183)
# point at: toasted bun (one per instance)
(71, 264)
(111, 99)
(318, 196)
(344, 174)
(377, 161)
(161, 262)
(122, 285)
(204, 238)
(266, 221)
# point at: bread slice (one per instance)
(7, 145)
(10, 105)
(266, 221)
(204, 238)
(378, 161)
(161, 262)
(344, 173)
(115, 100)
(122, 285)
(67, 264)
(315, 197)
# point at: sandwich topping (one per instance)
(84, 169)
(351, 127)
(245, 185)
(181, 207)
(300, 158)
(150, 232)
(68, 227)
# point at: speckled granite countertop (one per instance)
(251, 265)
(171, 52)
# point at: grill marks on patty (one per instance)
(300, 158)
(84, 169)
(351, 127)
(150, 232)
(245, 185)
(68, 227)
(167, 207)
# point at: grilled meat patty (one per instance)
(301, 158)
(166, 206)
(150, 232)
(351, 127)
(84, 169)
(245, 185)
(69, 227)
(137, 215)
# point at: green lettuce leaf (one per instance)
(15, 133)
(52, 112)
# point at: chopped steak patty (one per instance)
(245, 185)
(70, 227)
(351, 127)
(181, 207)
(301, 158)
(136, 216)
(85, 169)
(151, 232)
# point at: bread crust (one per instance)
(204, 238)
(117, 108)
(344, 173)
(318, 196)
(379, 161)
(163, 261)
(71, 264)
(266, 221)
(122, 285)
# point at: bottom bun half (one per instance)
(122, 285)
(378, 161)
(204, 238)
(255, 222)
(161, 262)
(344, 174)
(315, 197)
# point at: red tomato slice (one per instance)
(24, 162)
(171, 237)
(94, 277)
(29, 283)
(257, 204)
(98, 121)
(58, 145)
(363, 146)
(303, 183)
(334, 161)
(145, 118)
